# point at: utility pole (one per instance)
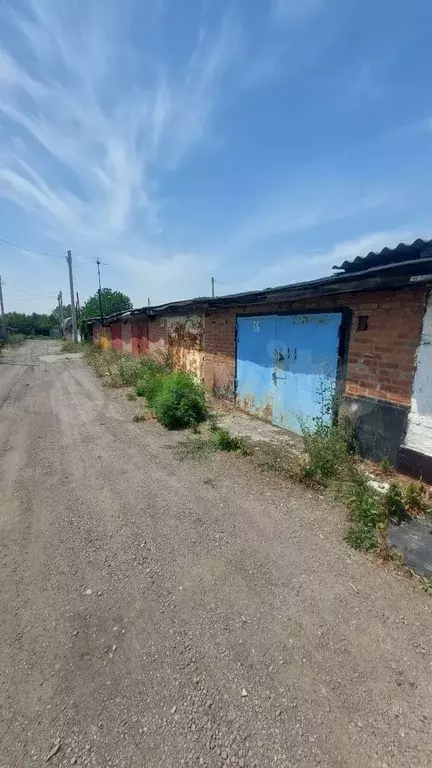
(78, 313)
(213, 287)
(60, 303)
(3, 318)
(148, 301)
(100, 292)
(72, 294)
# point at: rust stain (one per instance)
(262, 411)
(186, 344)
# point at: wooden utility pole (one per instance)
(72, 294)
(213, 287)
(100, 292)
(3, 317)
(60, 303)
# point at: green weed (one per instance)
(15, 339)
(131, 396)
(68, 346)
(361, 537)
(385, 465)
(414, 498)
(224, 441)
(329, 451)
(393, 503)
(178, 401)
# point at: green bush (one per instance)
(393, 503)
(366, 511)
(414, 497)
(329, 449)
(224, 441)
(129, 370)
(15, 339)
(69, 345)
(150, 378)
(177, 400)
(362, 537)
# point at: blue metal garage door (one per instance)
(287, 366)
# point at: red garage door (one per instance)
(139, 337)
(116, 336)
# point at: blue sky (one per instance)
(259, 141)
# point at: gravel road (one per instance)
(159, 612)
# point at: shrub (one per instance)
(129, 370)
(414, 497)
(366, 512)
(177, 400)
(149, 386)
(150, 378)
(385, 465)
(224, 441)
(329, 449)
(393, 503)
(71, 346)
(361, 537)
(15, 339)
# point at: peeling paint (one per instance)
(249, 404)
(186, 343)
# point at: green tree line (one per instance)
(41, 324)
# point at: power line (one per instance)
(31, 250)
(27, 298)
(23, 289)
(228, 285)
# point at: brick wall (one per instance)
(219, 351)
(381, 359)
(157, 335)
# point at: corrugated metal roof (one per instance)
(403, 252)
(395, 268)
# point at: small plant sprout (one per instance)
(386, 466)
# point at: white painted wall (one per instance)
(419, 432)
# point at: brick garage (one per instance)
(384, 372)
(380, 360)
(383, 337)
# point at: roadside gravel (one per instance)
(158, 612)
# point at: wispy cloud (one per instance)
(87, 140)
(296, 10)
(301, 265)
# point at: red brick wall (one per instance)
(381, 359)
(140, 340)
(219, 351)
(157, 335)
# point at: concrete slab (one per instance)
(243, 425)
(414, 540)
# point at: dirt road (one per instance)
(156, 612)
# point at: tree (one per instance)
(112, 302)
(31, 324)
(66, 312)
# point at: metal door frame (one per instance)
(343, 346)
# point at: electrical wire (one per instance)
(23, 289)
(228, 285)
(31, 250)
(26, 298)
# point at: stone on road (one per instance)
(140, 602)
